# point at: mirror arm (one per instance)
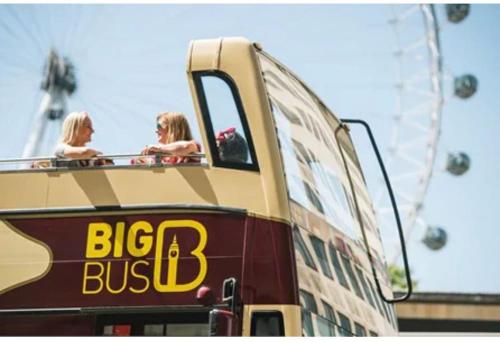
(394, 207)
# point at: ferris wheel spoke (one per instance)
(419, 109)
(403, 15)
(416, 125)
(39, 28)
(416, 142)
(421, 91)
(405, 176)
(416, 44)
(417, 78)
(34, 39)
(407, 158)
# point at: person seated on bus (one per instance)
(174, 137)
(76, 132)
(232, 146)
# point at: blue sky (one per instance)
(130, 62)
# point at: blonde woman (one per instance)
(77, 131)
(174, 136)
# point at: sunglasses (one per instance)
(159, 126)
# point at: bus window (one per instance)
(175, 329)
(308, 307)
(154, 330)
(345, 325)
(302, 248)
(352, 277)
(311, 158)
(336, 265)
(153, 324)
(319, 248)
(228, 133)
(360, 331)
(183, 329)
(267, 323)
(117, 330)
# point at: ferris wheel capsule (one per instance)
(458, 163)
(457, 12)
(435, 238)
(465, 86)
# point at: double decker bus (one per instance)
(282, 243)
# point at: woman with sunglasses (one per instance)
(174, 137)
(76, 132)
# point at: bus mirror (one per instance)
(229, 293)
(394, 207)
(221, 323)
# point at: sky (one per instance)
(131, 61)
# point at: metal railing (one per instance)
(109, 160)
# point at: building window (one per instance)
(352, 277)
(308, 306)
(345, 325)
(386, 311)
(326, 325)
(300, 245)
(319, 248)
(337, 267)
(360, 331)
(365, 287)
(308, 301)
(376, 297)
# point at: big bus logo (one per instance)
(108, 244)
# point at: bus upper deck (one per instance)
(148, 250)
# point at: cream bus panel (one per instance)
(195, 185)
(237, 58)
(22, 258)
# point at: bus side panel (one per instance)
(47, 325)
(270, 275)
(123, 260)
(147, 260)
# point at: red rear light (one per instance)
(121, 330)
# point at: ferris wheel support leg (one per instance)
(32, 144)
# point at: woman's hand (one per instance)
(142, 161)
(152, 149)
(90, 152)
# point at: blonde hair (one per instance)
(176, 125)
(71, 126)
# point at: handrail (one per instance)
(107, 156)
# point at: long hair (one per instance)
(71, 126)
(176, 125)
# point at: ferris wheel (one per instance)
(412, 154)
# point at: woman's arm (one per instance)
(79, 152)
(178, 148)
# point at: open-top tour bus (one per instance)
(282, 243)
